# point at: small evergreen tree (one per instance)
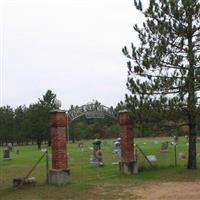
(48, 99)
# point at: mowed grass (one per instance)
(88, 181)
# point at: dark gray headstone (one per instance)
(97, 154)
(6, 154)
(176, 138)
(164, 147)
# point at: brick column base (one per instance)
(58, 177)
(128, 168)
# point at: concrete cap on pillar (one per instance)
(57, 104)
(58, 117)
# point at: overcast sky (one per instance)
(72, 47)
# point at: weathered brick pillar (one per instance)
(127, 164)
(58, 122)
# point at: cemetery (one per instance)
(85, 177)
(145, 146)
(87, 165)
(110, 164)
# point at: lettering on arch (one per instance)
(91, 110)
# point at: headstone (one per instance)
(117, 150)
(6, 154)
(151, 158)
(17, 151)
(181, 156)
(81, 147)
(10, 146)
(175, 138)
(97, 153)
(173, 143)
(164, 147)
(43, 150)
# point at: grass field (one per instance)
(89, 182)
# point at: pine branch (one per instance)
(171, 66)
(165, 92)
(172, 30)
(160, 76)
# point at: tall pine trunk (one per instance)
(192, 149)
(192, 125)
(191, 98)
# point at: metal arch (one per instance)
(95, 110)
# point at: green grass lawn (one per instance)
(87, 181)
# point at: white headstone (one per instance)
(151, 158)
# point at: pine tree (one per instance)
(47, 103)
(165, 66)
(48, 99)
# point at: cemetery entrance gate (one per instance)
(82, 154)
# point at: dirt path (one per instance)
(153, 190)
(168, 191)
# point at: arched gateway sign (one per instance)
(59, 174)
(91, 110)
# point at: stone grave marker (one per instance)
(10, 146)
(81, 147)
(117, 151)
(6, 154)
(151, 158)
(17, 151)
(164, 147)
(176, 138)
(181, 156)
(173, 143)
(96, 160)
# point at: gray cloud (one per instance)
(72, 47)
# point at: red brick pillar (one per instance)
(127, 143)
(58, 123)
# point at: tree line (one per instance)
(25, 125)
(30, 125)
